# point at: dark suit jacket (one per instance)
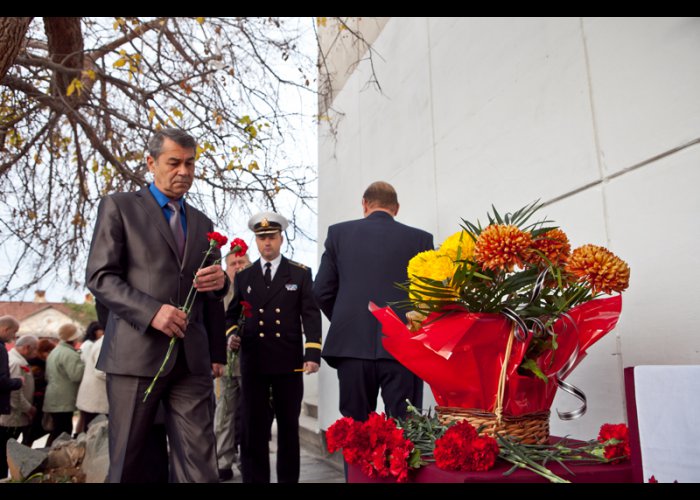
(362, 261)
(134, 268)
(271, 340)
(7, 384)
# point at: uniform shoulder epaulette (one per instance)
(298, 264)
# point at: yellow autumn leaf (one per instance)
(151, 114)
(75, 85)
(119, 62)
(89, 73)
(253, 165)
(176, 112)
(200, 20)
(321, 21)
(31, 214)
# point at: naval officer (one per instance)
(277, 294)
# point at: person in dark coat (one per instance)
(8, 330)
(273, 355)
(362, 262)
(38, 367)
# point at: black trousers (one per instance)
(287, 391)
(361, 379)
(62, 422)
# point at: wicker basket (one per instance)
(531, 428)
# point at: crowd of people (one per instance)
(255, 328)
(51, 381)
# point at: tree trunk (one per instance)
(12, 31)
(65, 39)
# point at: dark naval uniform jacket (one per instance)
(271, 339)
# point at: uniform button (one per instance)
(262, 334)
(261, 323)
(261, 311)
(277, 310)
(277, 322)
(277, 335)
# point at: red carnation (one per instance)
(247, 310)
(377, 446)
(462, 449)
(216, 239)
(25, 369)
(238, 247)
(620, 447)
(339, 435)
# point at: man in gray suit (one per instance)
(144, 255)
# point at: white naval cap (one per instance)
(267, 223)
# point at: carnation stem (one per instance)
(186, 307)
(162, 367)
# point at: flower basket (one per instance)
(530, 428)
(500, 316)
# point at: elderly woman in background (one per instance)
(37, 366)
(92, 394)
(64, 372)
(93, 332)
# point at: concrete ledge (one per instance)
(314, 442)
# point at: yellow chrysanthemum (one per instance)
(554, 245)
(600, 268)
(430, 264)
(459, 243)
(501, 246)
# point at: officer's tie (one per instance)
(268, 274)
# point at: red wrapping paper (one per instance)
(460, 354)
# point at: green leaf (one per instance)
(529, 364)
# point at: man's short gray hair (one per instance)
(29, 340)
(155, 145)
(8, 322)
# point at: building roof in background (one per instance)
(23, 310)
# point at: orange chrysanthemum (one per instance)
(554, 245)
(502, 246)
(603, 270)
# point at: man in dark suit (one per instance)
(145, 252)
(362, 261)
(272, 353)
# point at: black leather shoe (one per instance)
(225, 474)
